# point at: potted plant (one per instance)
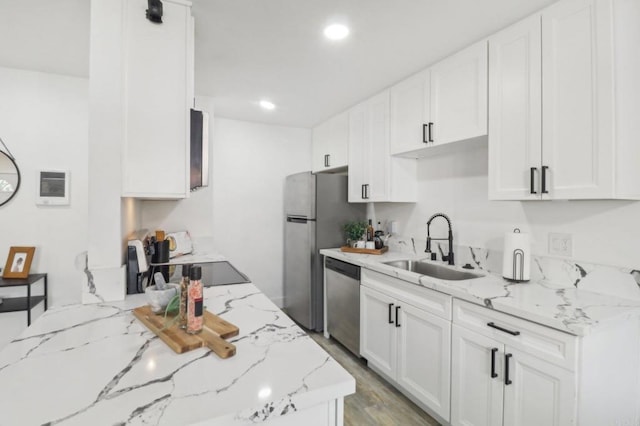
(354, 231)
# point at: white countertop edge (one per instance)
(618, 310)
(298, 402)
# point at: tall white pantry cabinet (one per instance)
(562, 101)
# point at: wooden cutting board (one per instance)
(348, 249)
(213, 333)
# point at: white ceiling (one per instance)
(252, 49)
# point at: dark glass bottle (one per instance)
(370, 231)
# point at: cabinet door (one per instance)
(459, 95)
(320, 147)
(577, 92)
(339, 141)
(409, 113)
(156, 102)
(476, 397)
(357, 149)
(540, 393)
(424, 357)
(378, 330)
(377, 152)
(515, 116)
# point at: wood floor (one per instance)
(375, 402)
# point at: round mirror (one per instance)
(9, 178)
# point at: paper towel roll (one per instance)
(516, 261)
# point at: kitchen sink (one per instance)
(432, 270)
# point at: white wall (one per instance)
(250, 162)
(242, 208)
(44, 122)
(604, 231)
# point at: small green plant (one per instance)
(172, 309)
(355, 230)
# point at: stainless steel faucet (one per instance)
(449, 257)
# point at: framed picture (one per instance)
(18, 262)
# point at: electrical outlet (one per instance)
(560, 244)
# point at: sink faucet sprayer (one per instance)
(449, 257)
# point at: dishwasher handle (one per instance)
(344, 268)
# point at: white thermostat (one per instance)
(53, 188)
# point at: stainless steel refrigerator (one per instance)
(316, 209)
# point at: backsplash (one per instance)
(552, 271)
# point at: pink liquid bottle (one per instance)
(195, 307)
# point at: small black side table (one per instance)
(13, 304)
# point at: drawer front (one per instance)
(551, 345)
(432, 301)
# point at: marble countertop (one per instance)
(570, 310)
(97, 364)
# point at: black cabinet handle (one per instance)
(397, 316)
(532, 179)
(544, 180)
(390, 319)
(507, 357)
(430, 132)
(493, 363)
(425, 128)
(328, 160)
(366, 191)
(362, 192)
(497, 327)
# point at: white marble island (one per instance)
(97, 364)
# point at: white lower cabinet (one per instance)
(494, 384)
(406, 343)
(476, 396)
(378, 330)
(507, 371)
(468, 365)
(538, 393)
(423, 357)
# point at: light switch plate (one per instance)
(560, 244)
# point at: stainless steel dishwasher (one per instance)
(343, 303)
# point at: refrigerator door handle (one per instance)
(297, 219)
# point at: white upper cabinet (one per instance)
(459, 96)
(445, 103)
(515, 110)
(158, 94)
(330, 144)
(410, 116)
(557, 127)
(373, 175)
(577, 89)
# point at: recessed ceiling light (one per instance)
(336, 32)
(267, 105)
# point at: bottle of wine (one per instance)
(370, 231)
